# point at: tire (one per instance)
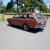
(25, 27)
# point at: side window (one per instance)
(31, 16)
(23, 16)
(16, 16)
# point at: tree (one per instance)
(1, 3)
(9, 5)
(2, 8)
(28, 5)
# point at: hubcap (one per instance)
(25, 27)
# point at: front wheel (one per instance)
(25, 27)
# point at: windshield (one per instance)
(39, 16)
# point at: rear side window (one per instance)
(31, 16)
(16, 16)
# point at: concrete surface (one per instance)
(15, 39)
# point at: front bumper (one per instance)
(41, 26)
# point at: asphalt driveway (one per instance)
(12, 38)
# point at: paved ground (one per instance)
(16, 39)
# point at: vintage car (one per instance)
(28, 20)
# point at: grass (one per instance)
(5, 17)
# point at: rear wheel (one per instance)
(25, 27)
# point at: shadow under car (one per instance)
(30, 30)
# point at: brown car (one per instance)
(29, 20)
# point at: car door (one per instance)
(31, 21)
(15, 20)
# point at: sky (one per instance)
(5, 2)
(46, 1)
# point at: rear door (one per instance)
(17, 20)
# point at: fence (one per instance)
(46, 14)
(3, 17)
